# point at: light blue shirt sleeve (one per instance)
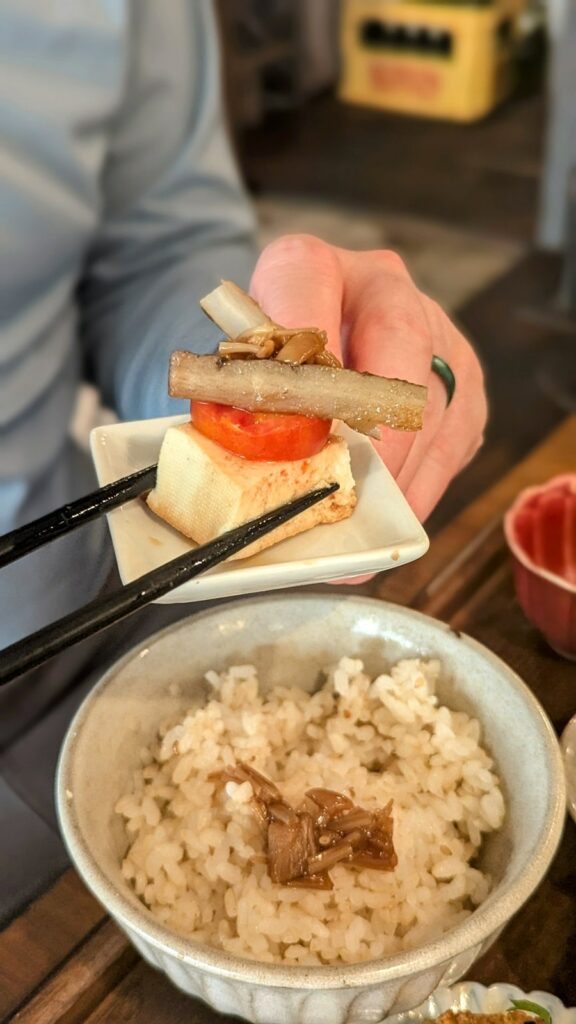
(120, 206)
(176, 218)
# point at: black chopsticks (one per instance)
(27, 538)
(104, 611)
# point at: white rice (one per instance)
(196, 855)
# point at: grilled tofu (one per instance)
(203, 490)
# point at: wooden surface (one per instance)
(64, 962)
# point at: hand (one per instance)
(378, 321)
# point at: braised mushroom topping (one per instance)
(254, 347)
(356, 818)
(305, 345)
(303, 844)
(290, 848)
(253, 335)
(330, 802)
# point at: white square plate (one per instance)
(381, 533)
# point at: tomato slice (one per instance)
(260, 436)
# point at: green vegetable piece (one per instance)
(535, 1008)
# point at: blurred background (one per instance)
(446, 131)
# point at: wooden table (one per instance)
(63, 961)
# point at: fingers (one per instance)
(384, 317)
(371, 309)
(298, 282)
(445, 343)
(387, 333)
(393, 330)
(458, 438)
(435, 473)
(433, 417)
(352, 581)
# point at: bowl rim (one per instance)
(485, 921)
(516, 549)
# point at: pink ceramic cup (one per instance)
(540, 529)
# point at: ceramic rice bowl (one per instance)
(291, 639)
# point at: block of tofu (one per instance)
(203, 490)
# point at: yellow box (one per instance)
(447, 60)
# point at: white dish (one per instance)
(568, 744)
(383, 532)
(476, 998)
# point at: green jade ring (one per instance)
(442, 370)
